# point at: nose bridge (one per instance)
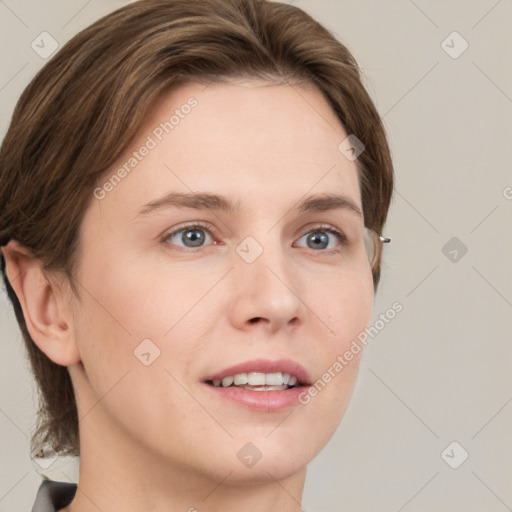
(264, 260)
(267, 286)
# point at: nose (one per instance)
(267, 291)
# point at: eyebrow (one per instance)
(207, 201)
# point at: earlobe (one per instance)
(46, 311)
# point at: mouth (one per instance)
(258, 381)
(262, 385)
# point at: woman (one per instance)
(191, 215)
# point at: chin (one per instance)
(265, 471)
(276, 456)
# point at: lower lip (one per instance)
(267, 401)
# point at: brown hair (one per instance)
(82, 109)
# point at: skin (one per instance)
(152, 438)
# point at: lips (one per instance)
(259, 398)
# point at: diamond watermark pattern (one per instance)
(454, 455)
(454, 45)
(44, 455)
(249, 249)
(249, 455)
(351, 147)
(44, 45)
(454, 249)
(146, 352)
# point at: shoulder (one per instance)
(52, 496)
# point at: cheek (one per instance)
(346, 303)
(139, 301)
(120, 389)
(127, 306)
(346, 310)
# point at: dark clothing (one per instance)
(52, 496)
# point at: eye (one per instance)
(191, 235)
(195, 235)
(320, 237)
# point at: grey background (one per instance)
(441, 370)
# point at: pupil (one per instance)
(192, 236)
(322, 238)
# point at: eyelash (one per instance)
(324, 228)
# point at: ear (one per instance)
(46, 311)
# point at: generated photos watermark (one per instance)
(344, 359)
(157, 135)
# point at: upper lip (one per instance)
(265, 366)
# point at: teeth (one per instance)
(240, 379)
(258, 381)
(274, 379)
(227, 381)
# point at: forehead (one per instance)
(248, 140)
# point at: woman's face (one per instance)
(184, 292)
